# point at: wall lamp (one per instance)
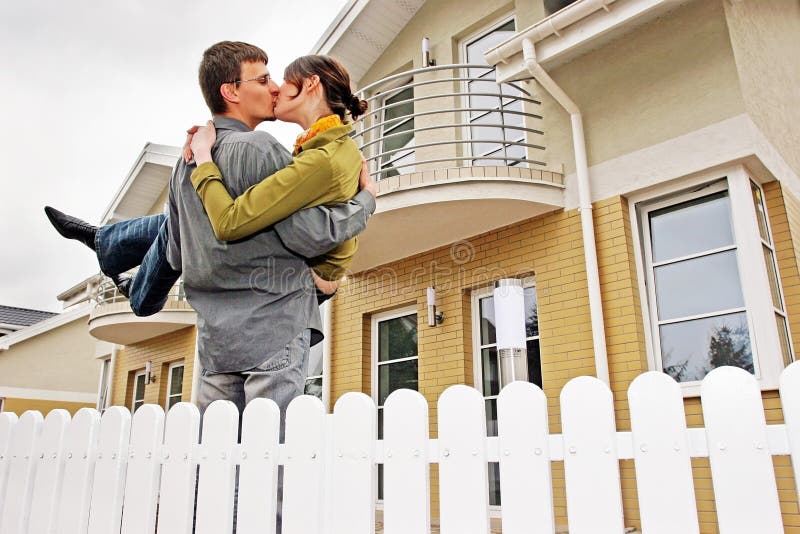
(509, 313)
(426, 53)
(434, 317)
(149, 377)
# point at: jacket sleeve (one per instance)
(312, 232)
(334, 264)
(296, 186)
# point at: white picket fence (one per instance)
(104, 475)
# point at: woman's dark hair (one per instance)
(333, 77)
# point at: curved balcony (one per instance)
(113, 320)
(455, 154)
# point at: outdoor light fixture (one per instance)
(149, 377)
(434, 317)
(426, 53)
(509, 314)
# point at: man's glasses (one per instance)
(263, 80)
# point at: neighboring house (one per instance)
(13, 319)
(644, 189)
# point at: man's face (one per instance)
(256, 94)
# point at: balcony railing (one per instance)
(449, 116)
(107, 293)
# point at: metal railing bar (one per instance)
(391, 92)
(448, 110)
(499, 96)
(470, 158)
(452, 125)
(412, 72)
(504, 142)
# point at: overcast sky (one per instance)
(84, 85)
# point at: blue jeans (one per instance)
(141, 241)
(281, 377)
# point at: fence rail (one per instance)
(136, 475)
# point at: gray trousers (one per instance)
(280, 377)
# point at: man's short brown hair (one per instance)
(222, 63)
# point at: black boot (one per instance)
(123, 283)
(72, 227)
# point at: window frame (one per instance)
(133, 393)
(383, 167)
(2, 403)
(767, 354)
(168, 396)
(374, 320)
(324, 310)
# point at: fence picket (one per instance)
(7, 422)
(49, 455)
(15, 510)
(745, 490)
(406, 471)
(304, 470)
(178, 471)
(790, 402)
(215, 493)
(594, 498)
(105, 513)
(355, 430)
(661, 455)
(258, 473)
(80, 444)
(525, 473)
(144, 468)
(463, 473)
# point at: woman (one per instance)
(317, 96)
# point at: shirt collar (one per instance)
(227, 123)
(323, 138)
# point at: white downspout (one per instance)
(112, 364)
(584, 206)
(196, 370)
(326, 354)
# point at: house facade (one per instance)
(631, 163)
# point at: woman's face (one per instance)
(290, 102)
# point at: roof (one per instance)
(22, 316)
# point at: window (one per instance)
(397, 132)
(315, 374)
(138, 391)
(698, 248)
(105, 383)
(394, 361)
(175, 385)
(487, 364)
(494, 116)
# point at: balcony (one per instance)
(454, 154)
(113, 320)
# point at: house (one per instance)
(631, 164)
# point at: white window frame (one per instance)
(169, 383)
(765, 343)
(144, 387)
(105, 385)
(462, 50)
(394, 89)
(324, 311)
(477, 363)
(379, 318)
(2, 403)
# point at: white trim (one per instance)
(2, 402)
(103, 384)
(172, 366)
(765, 343)
(48, 324)
(48, 395)
(133, 393)
(378, 318)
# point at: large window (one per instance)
(699, 248)
(397, 132)
(395, 361)
(487, 364)
(138, 391)
(175, 385)
(495, 118)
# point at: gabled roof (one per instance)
(363, 29)
(12, 316)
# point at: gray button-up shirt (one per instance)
(254, 295)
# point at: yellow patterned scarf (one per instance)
(325, 123)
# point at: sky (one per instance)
(84, 85)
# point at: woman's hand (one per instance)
(187, 150)
(202, 141)
(365, 181)
(325, 286)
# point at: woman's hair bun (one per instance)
(357, 107)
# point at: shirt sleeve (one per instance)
(174, 256)
(312, 232)
(296, 186)
(334, 264)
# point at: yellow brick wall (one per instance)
(19, 406)
(161, 351)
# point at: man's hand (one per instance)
(187, 149)
(202, 141)
(365, 181)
